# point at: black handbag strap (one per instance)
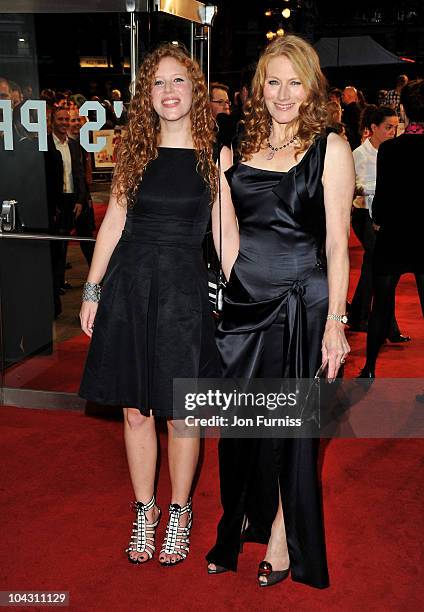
(220, 273)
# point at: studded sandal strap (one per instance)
(143, 533)
(177, 538)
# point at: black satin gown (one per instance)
(274, 317)
(154, 322)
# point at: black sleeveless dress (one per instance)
(274, 317)
(154, 322)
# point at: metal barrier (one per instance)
(24, 236)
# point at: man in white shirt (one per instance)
(60, 127)
(65, 191)
(382, 123)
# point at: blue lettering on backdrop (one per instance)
(40, 125)
(6, 124)
(90, 126)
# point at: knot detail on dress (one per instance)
(298, 288)
(242, 316)
(296, 361)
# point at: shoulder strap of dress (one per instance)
(321, 146)
(322, 138)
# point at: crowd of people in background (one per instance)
(345, 106)
(69, 167)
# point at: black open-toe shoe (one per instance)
(265, 571)
(220, 569)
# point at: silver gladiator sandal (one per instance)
(177, 538)
(143, 533)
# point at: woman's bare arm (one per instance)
(339, 185)
(109, 234)
(230, 232)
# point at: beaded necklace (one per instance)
(274, 150)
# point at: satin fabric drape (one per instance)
(273, 323)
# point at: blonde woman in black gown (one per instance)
(153, 322)
(286, 217)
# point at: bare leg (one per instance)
(183, 455)
(277, 553)
(141, 446)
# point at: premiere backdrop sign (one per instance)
(33, 117)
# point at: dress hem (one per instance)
(125, 404)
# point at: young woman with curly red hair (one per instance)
(285, 219)
(153, 322)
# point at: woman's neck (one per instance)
(175, 134)
(373, 140)
(280, 133)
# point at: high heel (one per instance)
(399, 339)
(177, 538)
(265, 571)
(367, 373)
(143, 533)
(220, 569)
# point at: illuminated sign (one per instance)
(99, 61)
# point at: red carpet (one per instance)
(66, 522)
(399, 361)
(62, 370)
(66, 518)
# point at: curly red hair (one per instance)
(312, 118)
(140, 139)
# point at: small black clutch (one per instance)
(319, 395)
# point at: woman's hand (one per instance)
(335, 347)
(87, 315)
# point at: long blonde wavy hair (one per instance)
(139, 143)
(312, 118)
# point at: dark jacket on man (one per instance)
(54, 176)
(351, 117)
(398, 206)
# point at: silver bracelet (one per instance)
(91, 292)
(337, 317)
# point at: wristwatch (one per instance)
(337, 317)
